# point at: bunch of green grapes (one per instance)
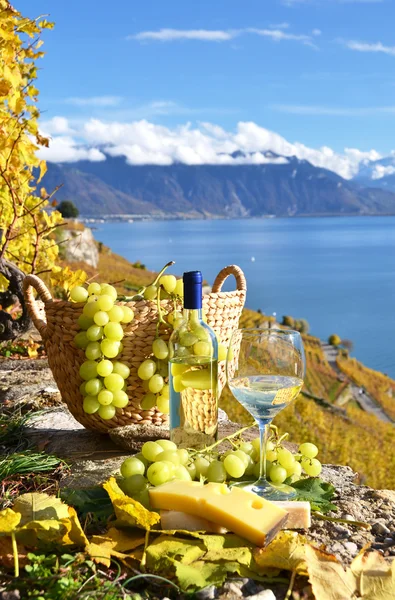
(161, 461)
(103, 387)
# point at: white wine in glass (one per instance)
(266, 376)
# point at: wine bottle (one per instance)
(193, 373)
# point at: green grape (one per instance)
(94, 333)
(188, 339)
(143, 498)
(147, 369)
(79, 294)
(92, 298)
(202, 349)
(128, 314)
(191, 468)
(250, 467)
(312, 467)
(234, 466)
(93, 351)
(132, 466)
(150, 292)
(181, 473)
(158, 473)
(84, 322)
(90, 309)
(285, 458)
(90, 405)
(271, 455)
(277, 474)
(297, 469)
(134, 485)
(222, 352)
(270, 445)
(104, 367)
(109, 290)
(148, 401)
(216, 472)
(248, 448)
(200, 380)
(172, 467)
(160, 349)
(93, 387)
(172, 316)
(156, 383)
(116, 313)
(82, 388)
(107, 412)
(109, 348)
(256, 468)
(105, 397)
(163, 404)
(201, 333)
(183, 455)
(94, 288)
(179, 289)
(121, 369)
(81, 340)
(105, 302)
(167, 444)
(120, 399)
(113, 382)
(202, 465)
(169, 282)
(166, 391)
(170, 455)
(113, 331)
(88, 370)
(257, 445)
(142, 459)
(101, 318)
(243, 457)
(162, 368)
(120, 348)
(308, 450)
(150, 450)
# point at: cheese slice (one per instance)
(299, 513)
(242, 512)
(299, 517)
(175, 519)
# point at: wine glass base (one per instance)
(268, 491)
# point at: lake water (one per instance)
(338, 273)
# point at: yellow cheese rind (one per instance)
(299, 513)
(242, 512)
(175, 519)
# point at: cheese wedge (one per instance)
(175, 519)
(299, 517)
(242, 512)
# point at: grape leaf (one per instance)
(286, 551)
(129, 511)
(317, 492)
(37, 507)
(329, 581)
(93, 500)
(201, 574)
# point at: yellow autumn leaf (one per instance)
(102, 547)
(99, 549)
(43, 170)
(127, 510)
(74, 533)
(329, 581)
(9, 520)
(376, 577)
(38, 507)
(286, 551)
(47, 531)
(125, 541)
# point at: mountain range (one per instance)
(292, 187)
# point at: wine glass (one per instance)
(265, 370)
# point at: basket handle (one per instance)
(30, 282)
(241, 284)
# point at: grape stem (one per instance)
(225, 439)
(322, 517)
(139, 295)
(160, 313)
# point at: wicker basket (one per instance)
(58, 326)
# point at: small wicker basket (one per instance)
(58, 326)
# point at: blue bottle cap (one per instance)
(192, 289)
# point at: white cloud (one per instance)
(316, 32)
(367, 47)
(380, 171)
(333, 111)
(142, 142)
(170, 35)
(57, 125)
(94, 101)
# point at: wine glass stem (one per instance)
(264, 427)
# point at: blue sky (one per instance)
(317, 72)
